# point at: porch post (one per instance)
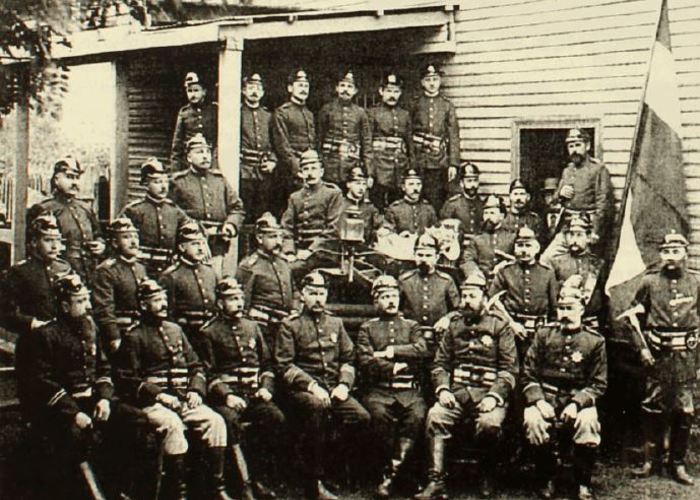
(21, 181)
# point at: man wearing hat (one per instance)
(315, 364)
(156, 217)
(207, 197)
(164, 377)
(241, 383)
(466, 206)
(71, 390)
(356, 200)
(564, 375)
(76, 220)
(391, 351)
(493, 245)
(392, 144)
(258, 160)
(473, 375)
(344, 134)
(293, 132)
(190, 283)
(667, 301)
(198, 116)
(518, 214)
(552, 209)
(116, 281)
(435, 136)
(313, 211)
(411, 214)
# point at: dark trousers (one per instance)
(435, 187)
(383, 196)
(256, 194)
(266, 419)
(396, 413)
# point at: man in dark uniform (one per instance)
(466, 206)
(486, 250)
(76, 219)
(163, 376)
(241, 384)
(314, 357)
(293, 132)
(258, 160)
(518, 214)
(355, 203)
(390, 349)
(411, 214)
(344, 134)
(156, 217)
(207, 197)
(392, 143)
(473, 375)
(71, 388)
(667, 299)
(198, 116)
(313, 211)
(190, 283)
(435, 137)
(564, 375)
(116, 282)
(552, 210)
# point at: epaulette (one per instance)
(693, 271)
(22, 262)
(454, 197)
(594, 160)
(62, 262)
(132, 327)
(443, 274)
(107, 263)
(331, 185)
(372, 320)
(134, 203)
(250, 260)
(396, 203)
(293, 315)
(181, 173)
(171, 269)
(407, 274)
(168, 201)
(185, 107)
(424, 201)
(215, 103)
(592, 331)
(551, 324)
(286, 105)
(546, 265)
(216, 172)
(208, 322)
(508, 264)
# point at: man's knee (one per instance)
(587, 428)
(490, 423)
(440, 420)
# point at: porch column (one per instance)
(21, 181)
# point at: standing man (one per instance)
(207, 197)
(392, 143)
(355, 200)
(474, 374)
(435, 137)
(258, 160)
(156, 217)
(667, 299)
(564, 375)
(466, 206)
(293, 132)
(411, 214)
(518, 214)
(198, 116)
(552, 209)
(77, 221)
(314, 357)
(390, 349)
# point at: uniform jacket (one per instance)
(293, 132)
(564, 367)
(236, 357)
(313, 348)
(206, 196)
(476, 357)
(480, 251)
(470, 212)
(512, 222)
(530, 289)
(159, 358)
(370, 215)
(437, 117)
(256, 141)
(114, 294)
(190, 287)
(592, 191)
(313, 211)
(202, 119)
(157, 222)
(267, 281)
(426, 299)
(403, 216)
(589, 267)
(392, 144)
(344, 137)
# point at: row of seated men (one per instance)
(316, 371)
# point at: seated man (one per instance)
(564, 374)
(411, 214)
(473, 375)
(518, 214)
(355, 199)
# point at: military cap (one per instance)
(673, 240)
(426, 241)
(196, 141)
(411, 173)
(122, 225)
(148, 288)
(383, 283)
(67, 164)
(356, 174)
(468, 169)
(494, 201)
(576, 134)
(313, 279)
(391, 79)
(298, 75)
(525, 234)
(517, 184)
(228, 286)
(347, 76)
(579, 221)
(191, 78)
(152, 167)
(430, 69)
(252, 78)
(267, 223)
(550, 184)
(69, 285)
(474, 279)
(571, 290)
(309, 157)
(189, 231)
(44, 225)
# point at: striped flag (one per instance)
(654, 199)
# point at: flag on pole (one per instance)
(654, 198)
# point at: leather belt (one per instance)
(530, 322)
(474, 375)
(673, 340)
(392, 144)
(343, 148)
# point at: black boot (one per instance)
(435, 490)
(316, 490)
(545, 468)
(680, 436)
(584, 461)
(403, 448)
(217, 461)
(91, 482)
(488, 441)
(649, 431)
(174, 466)
(242, 468)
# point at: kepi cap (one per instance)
(356, 174)
(189, 231)
(69, 285)
(148, 288)
(309, 157)
(267, 223)
(228, 286)
(411, 173)
(122, 225)
(67, 164)
(392, 79)
(314, 279)
(151, 168)
(576, 135)
(192, 78)
(384, 283)
(475, 279)
(430, 69)
(468, 169)
(673, 240)
(252, 78)
(494, 201)
(426, 241)
(298, 75)
(517, 184)
(550, 184)
(525, 234)
(196, 141)
(45, 225)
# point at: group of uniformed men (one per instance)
(190, 348)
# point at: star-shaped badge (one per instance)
(487, 340)
(251, 343)
(334, 337)
(577, 357)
